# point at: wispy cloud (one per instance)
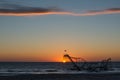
(17, 10)
(100, 12)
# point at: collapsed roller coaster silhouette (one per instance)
(103, 65)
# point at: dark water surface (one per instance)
(12, 68)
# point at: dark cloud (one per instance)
(24, 10)
(17, 10)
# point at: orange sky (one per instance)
(56, 54)
(54, 51)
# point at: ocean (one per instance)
(14, 68)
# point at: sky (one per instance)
(40, 30)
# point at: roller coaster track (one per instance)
(74, 64)
(103, 65)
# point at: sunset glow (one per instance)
(64, 61)
(40, 30)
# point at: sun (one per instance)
(64, 61)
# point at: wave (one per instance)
(10, 72)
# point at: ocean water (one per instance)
(14, 68)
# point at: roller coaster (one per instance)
(103, 65)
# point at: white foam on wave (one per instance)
(9, 72)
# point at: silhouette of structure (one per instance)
(104, 65)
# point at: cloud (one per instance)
(100, 12)
(17, 10)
